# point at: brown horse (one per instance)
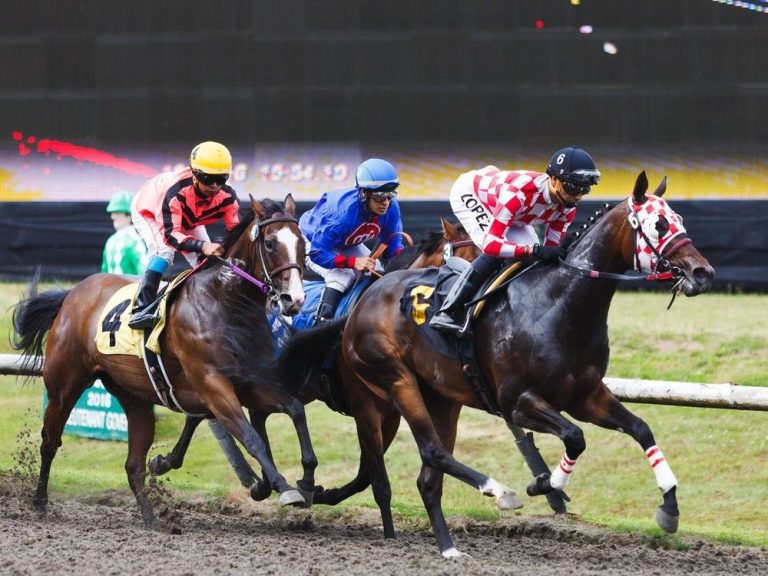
(216, 348)
(432, 250)
(542, 344)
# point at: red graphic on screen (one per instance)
(61, 150)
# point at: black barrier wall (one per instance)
(66, 239)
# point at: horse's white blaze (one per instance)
(665, 478)
(562, 473)
(291, 242)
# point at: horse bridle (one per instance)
(450, 248)
(266, 285)
(668, 271)
(662, 259)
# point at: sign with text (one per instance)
(97, 414)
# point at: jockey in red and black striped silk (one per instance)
(170, 212)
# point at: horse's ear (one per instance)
(641, 186)
(449, 230)
(257, 208)
(289, 206)
(661, 188)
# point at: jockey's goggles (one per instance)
(382, 196)
(580, 181)
(574, 189)
(210, 179)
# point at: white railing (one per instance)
(626, 389)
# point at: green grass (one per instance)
(718, 456)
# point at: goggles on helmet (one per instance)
(583, 177)
(580, 181)
(210, 179)
(379, 196)
(388, 187)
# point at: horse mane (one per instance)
(427, 245)
(573, 236)
(238, 230)
(247, 340)
(247, 350)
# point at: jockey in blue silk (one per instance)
(342, 220)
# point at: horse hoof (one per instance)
(539, 485)
(667, 521)
(309, 496)
(557, 501)
(159, 465)
(509, 501)
(291, 498)
(453, 553)
(260, 491)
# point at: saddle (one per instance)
(283, 326)
(422, 298)
(115, 337)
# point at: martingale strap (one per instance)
(153, 364)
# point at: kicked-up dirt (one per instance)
(104, 535)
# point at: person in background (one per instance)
(170, 212)
(499, 209)
(342, 220)
(124, 251)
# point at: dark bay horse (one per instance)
(542, 343)
(431, 250)
(216, 348)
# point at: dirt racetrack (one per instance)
(104, 536)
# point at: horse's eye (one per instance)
(662, 226)
(270, 244)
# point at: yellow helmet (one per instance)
(211, 158)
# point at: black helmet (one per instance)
(575, 168)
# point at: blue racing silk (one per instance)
(339, 220)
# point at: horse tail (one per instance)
(33, 317)
(306, 352)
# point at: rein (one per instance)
(243, 274)
(671, 272)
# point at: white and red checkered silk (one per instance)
(518, 196)
(648, 215)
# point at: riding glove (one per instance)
(548, 253)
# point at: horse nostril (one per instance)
(703, 273)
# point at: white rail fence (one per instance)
(692, 394)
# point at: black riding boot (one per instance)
(143, 313)
(451, 316)
(328, 302)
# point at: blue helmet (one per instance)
(376, 175)
(575, 168)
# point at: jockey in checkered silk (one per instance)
(124, 251)
(170, 212)
(342, 220)
(499, 208)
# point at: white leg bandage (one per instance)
(664, 477)
(562, 473)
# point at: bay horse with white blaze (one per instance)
(431, 250)
(216, 348)
(542, 345)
